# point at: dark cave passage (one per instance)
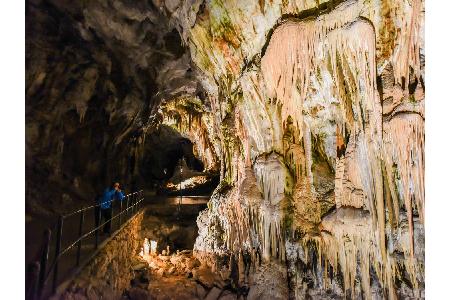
(170, 166)
(163, 150)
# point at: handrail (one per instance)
(136, 199)
(93, 230)
(96, 205)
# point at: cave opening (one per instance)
(171, 166)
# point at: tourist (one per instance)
(109, 195)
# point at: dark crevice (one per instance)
(395, 113)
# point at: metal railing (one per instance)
(40, 270)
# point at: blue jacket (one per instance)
(108, 196)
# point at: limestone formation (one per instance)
(312, 112)
(321, 111)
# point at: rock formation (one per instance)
(322, 130)
(312, 112)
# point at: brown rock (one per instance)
(171, 270)
(213, 294)
(139, 266)
(139, 294)
(175, 259)
(160, 272)
(227, 295)
(164, 257)
(192, 263)
(201, 292)
(205, 276)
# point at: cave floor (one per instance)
(177, 276)
(174, 273)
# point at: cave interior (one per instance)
(293, 130)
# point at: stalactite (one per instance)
(316, 85)
(191, 120)
(296, 49)
(260, 119)
(266, 222)
(406, 55)
(271, 177)
(404, 137)
(294, 54)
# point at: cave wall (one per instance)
(320, 110)
(96, 72)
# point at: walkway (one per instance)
(74, 238)
(67, 264)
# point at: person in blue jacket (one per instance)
(109, 195)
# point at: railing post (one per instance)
(58, 250)
(44, 260)
(132, 205)
(120, 213)
(32, 288)
(138, 201)
(99, 227)
(128, 206)
(111, 219)
(80, 234)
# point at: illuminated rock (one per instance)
(321, 140)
